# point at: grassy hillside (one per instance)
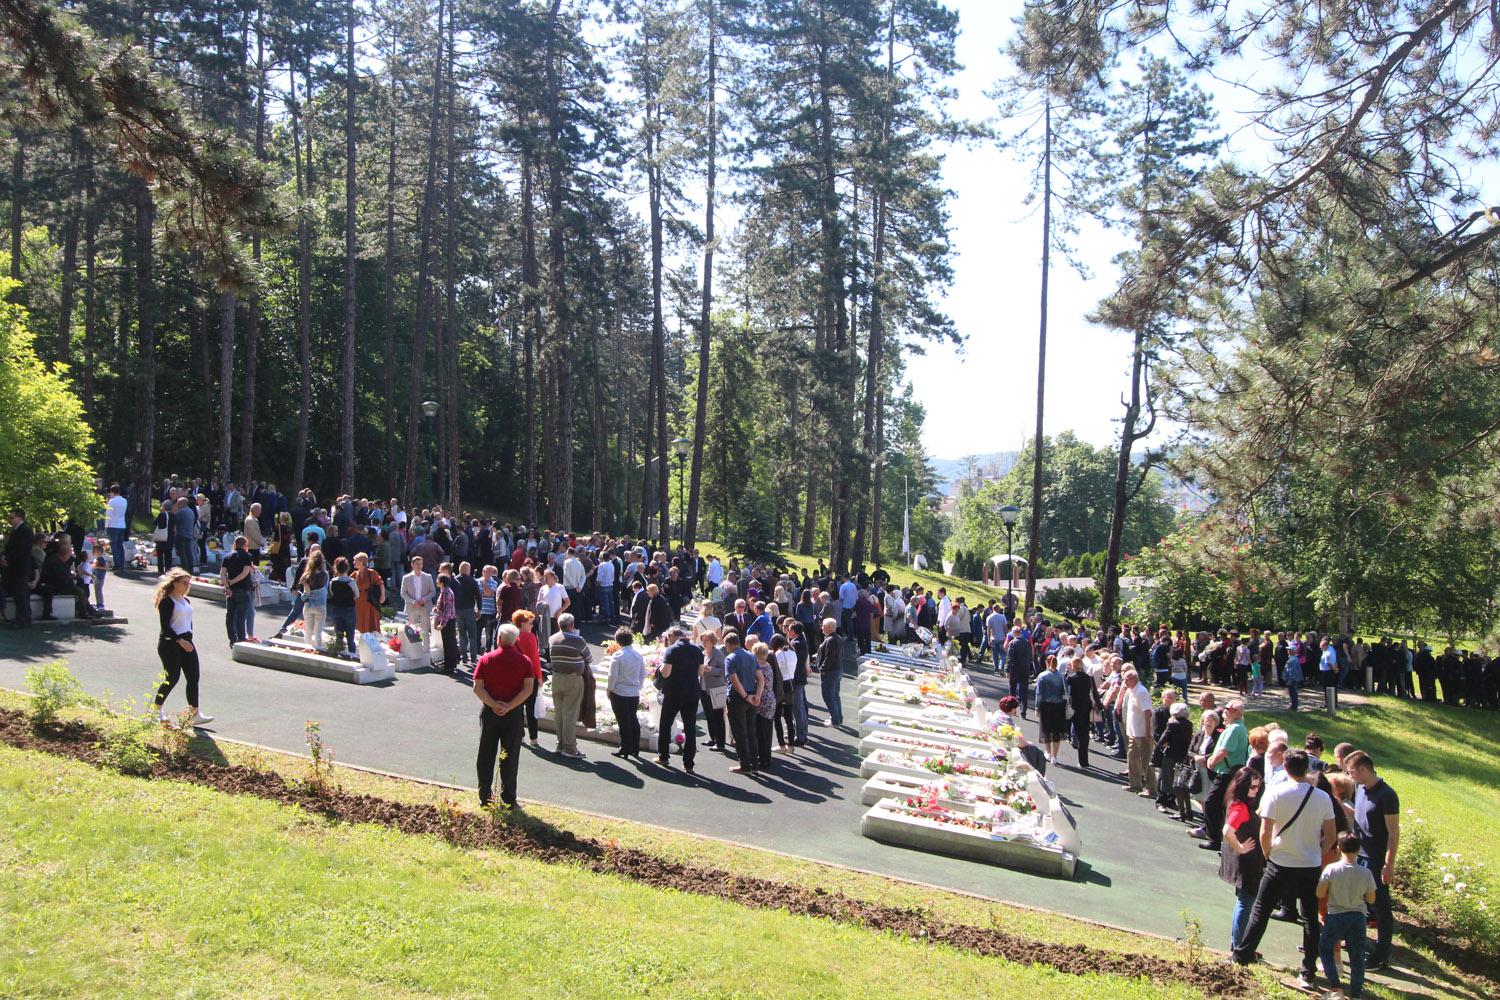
(114, 886)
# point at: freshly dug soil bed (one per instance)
(533, 839)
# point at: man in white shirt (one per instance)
(715, 572)
(1296, 821)
(115, 525)
(1134, 705)
(604, 583)
(574, 576)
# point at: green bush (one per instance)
(126, 749)
(1075, 602)
(1449, 890)
(53, 688)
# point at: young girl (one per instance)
(102, 566)
(179, 657)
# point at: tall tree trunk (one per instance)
(351, 258)
(560, 362)
(17, 196)
(252, 320)
(145, 373)
(531, 309)
(644, 526)
(90, 306)
(304, 284)
(424, 270)
(658, 326)
(705, 318)
(834, 305)
(874, 352)
(450, 309)
(1110, 595)
(388, 305)
(875, 504)
(226, 382)
(69, 276)
(1034, 544)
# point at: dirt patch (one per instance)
(533, 839)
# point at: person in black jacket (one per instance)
(18, 570)
(1083, 698)
(658, 616)
(1173, 745)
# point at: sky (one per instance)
(981, 397)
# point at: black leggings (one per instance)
(177, 662)
(786, 712)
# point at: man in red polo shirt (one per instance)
(502, 681)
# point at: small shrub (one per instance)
(1075, 602)
(320, 764)
(1449, 889)
(177, 736)
(126, 749)
(1192, 938)
(53, 688)
(448, 814)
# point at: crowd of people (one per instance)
(1297, 839)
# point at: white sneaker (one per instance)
(199, 719)
(161, 713)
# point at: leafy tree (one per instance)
(44, 440)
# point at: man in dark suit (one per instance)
(739, 619)
(18, 569)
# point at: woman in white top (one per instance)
(706, 622)
(179, 657)
(786, 672)
(551, 601)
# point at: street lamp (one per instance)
(680, 448)
(1009, 513)
(429, 410)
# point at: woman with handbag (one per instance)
(1173, 748)
(1187, 778)
(1241, 860)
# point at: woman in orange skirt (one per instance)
(370, 590)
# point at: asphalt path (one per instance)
(1138, 870)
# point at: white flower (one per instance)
(1460, 887)
(1447, 878)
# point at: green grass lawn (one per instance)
(113, 886)
(1440, 760)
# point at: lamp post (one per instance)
(429, 410)
(1009, 513)
(680, 448)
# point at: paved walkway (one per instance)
(1139, 869)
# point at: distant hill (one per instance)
(950, 470)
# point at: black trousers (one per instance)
(499, 733)
(1213, 813)
(178, 663)
(785, 714)
(715, 719)
(20, 597)
(763, 727)
(531, 728)
(1277, 882)
(674, 706)
(449, 633)
(742, 724)
(630, 724)
(1081, 732)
